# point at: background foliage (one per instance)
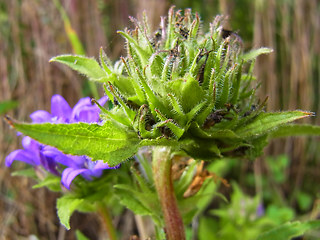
(31, 32)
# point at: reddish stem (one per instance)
(161, 163)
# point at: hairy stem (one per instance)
(161, 164)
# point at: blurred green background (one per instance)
(33, 31)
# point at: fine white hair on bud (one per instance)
(184, 86)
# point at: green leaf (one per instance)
(159, 142)
(188, 91)
(51, 182)
(212, 133)
(196, 63)
(128, 198)
(236, 85)
(87, 66)
(296, 130)
(5, 106)
(280, 215)
(156, 64)
(305, 200)
(253, 54)
(81, 236)
(102, 57)
(194, 27)
(141, 181)
(265, 122)
(29, 172)
(204, 149)
(207, 227)
(182, 184)
(259, 144)
(66, 205)
(110, 142)
(224, 85)
(144, 55)
(141, 203)
(124, 84)
(289, 230)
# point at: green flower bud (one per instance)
(178, 86)
(190, 86)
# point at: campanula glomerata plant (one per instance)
(179, 93)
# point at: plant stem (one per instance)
(104, 213)
(161, 165)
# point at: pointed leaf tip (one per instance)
(9, 120)
(253, 54)
(266, 122)
(84, 65)
(66, 205)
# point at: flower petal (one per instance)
(260, 210)
(84, 111)
(23, 156)
(80, 104)
(69, 174)
(101, 165)
(49, 164)
(40, 116)
(92, 173)
(102, 101)
(31, 145)
(60, 108)
(51, 151)
(89, 115)
(97, 168)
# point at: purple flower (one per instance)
(61, 112)
(50, 158)
(260, 210)
(33, 154)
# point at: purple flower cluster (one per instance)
(50, 158)
(260, 210)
